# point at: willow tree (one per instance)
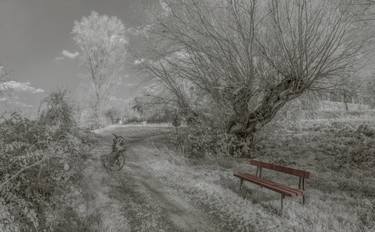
(102, 44)
(249, 58)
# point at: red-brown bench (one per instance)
(276, 187)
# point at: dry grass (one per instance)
(161, 189)
(341, 160)
(213, 190)
(160, 185)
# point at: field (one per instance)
(161, 189)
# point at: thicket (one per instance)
(39, 160)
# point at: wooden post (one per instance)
(302, 180)
(260, 175)
(303, 183)
(282, 203)
(303, 199)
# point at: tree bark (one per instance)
(246, 123)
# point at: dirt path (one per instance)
(134, 199)
(161, 190)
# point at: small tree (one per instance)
(56, 113)
(102, 43)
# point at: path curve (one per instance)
(133, 199)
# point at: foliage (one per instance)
(248, 66)
(57, 114)
(201, 141)
(133, 120)
(39, 159)
(102, 43)
(8, 223)
(153, 106)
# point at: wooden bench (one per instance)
(276, 187)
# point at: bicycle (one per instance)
(115, 161)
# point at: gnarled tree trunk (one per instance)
(245, 123)
(235, 52)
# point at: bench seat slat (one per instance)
(262, 183)
(269, 184)
(279, 168)
(297, 192)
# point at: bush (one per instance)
(133, 120)
(39, 160)
(200, 141)
(57, 114)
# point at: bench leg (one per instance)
(241, 182)
(282, 204)
(303, 184)
(303, 199)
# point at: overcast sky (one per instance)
(33, 33)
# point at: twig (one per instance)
(22, 170)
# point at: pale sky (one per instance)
(33, 33)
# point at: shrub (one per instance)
(133, 120)
(201, 140)
(57, 114)
(39, 159)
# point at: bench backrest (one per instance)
(279, 168)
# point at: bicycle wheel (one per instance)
(117, 163)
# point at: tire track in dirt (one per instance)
(157, 190)
(222, 207)
(160, 190)
(98, 186)
(176, 213)
(135, 200)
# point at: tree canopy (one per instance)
(247, 59)
(102, 43)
